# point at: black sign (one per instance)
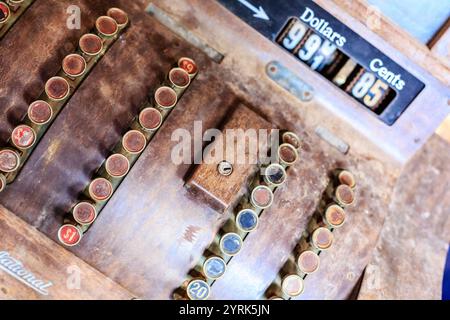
(330, 48)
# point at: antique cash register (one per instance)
(110, 109)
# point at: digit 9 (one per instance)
(294, 36)
(312, 45)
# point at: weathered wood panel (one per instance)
(153, 231)
(220, 191)
(409, 260)
(70, 277)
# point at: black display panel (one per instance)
(330, 48)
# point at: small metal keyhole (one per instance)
(225, 168)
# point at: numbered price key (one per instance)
(4, 13)
(214, 267)
(69, 235)
(188, 65)
(198, 290)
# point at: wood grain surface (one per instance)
(71, 278)
(409, 260)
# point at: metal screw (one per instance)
(225, 168)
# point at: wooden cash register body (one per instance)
(153, 231)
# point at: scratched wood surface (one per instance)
(153, 231)
(32, 51)
(71, 277)
(409, 260)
